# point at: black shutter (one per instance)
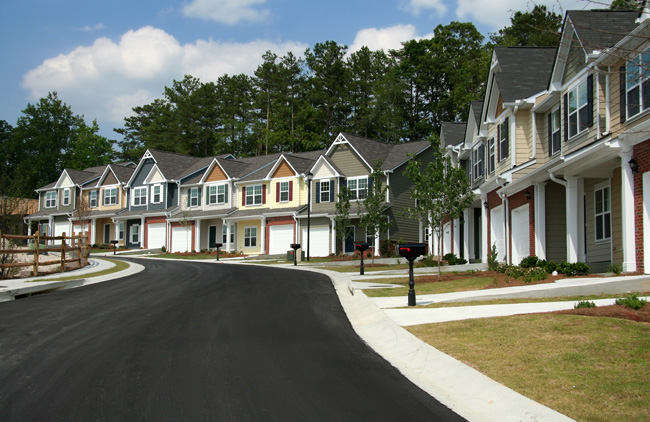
(566, 117)
(590, 100)
(370, 186)
(318, 192)
(623, 94)
(550, 134)
(507, 136)
(498, 145)
(225, 193)
(331, 190)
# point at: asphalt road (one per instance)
(197, 342)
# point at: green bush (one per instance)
(534, 274)
(632, 302)
(384, 248)
(451, 259)
(613, 268)
(163, 249)
(584, 304)
(573, 269)
(493, 264)
(428, 261)
(529, 262)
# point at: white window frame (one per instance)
(120, 230)
(478, 165)
(109, 199)
(556, 131)
(66, 197)
(93, 199)
(250, 237)
(135, 234)
(154, 188)
(224, 234)
(356, 192)
(252, 196)
(139, 194)
(216, 194)
(325, 190)
(50, 199)
(492, 158)
(194, 197)
(284, 191)
(637, 75)
(605, 213)
(577, 94)
(504, 141)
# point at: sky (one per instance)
(104, 57)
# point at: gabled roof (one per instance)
(80, 177)
(523, 71)
(402, 152)
(476, 107)
(175, 166)
(122, 173)
(601, 29)
(452, 133)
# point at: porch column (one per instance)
(485, 246)
(227, 234)
(420, 230)
(29, 228)
(263, 236)
(627, 208)
(377, 243)
(432, 251)
(540, 220)
(197, 237)
(572, 219)
(466, 230)
(582, 256)
(455, 238)
(141, 234)
(93, 230)
(333, 247)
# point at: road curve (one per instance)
(187, 341)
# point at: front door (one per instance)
(107, 233)
(212, 236)
(349, 241)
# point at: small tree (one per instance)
(374, 220)
(441, 191)
(342, 215)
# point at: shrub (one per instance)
(613, 268)
(584, 304)
(573, 269)
(534, 274)
(429, 261)
(529, 262)
(549, 266)
(451, 259)
(163, 249)
(632, 302)
(384, 248)
(493, 264)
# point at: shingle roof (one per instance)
(209, 213)
(600, 29)
(174, 165)
(452, 133)
(79, 177)
(524, 71)
(401, 152)
(122, 173)
(477, 108)
(391, 155)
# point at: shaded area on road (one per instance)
(195, 341)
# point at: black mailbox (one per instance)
(295, 247)
(114, 242)
(361, 247)
(411, 251)
(218, 245)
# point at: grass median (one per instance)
(119, 266)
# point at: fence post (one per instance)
(37, 241)
(63, 252)
(85, 251)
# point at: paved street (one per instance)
(197, 342)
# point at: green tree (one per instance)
(147, 128)
(627, 4)
(537, 28)
(88, 148)
(373, 219)
(342, 216)
(441, 191)
(235, 111)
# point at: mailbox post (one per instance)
(410, 251)
(362, 247)
(114, 242)
(218, 245)
(295, 247)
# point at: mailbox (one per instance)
(295, 247)
(114, 242)
(412, 250)
(361, 247)
(218, 245)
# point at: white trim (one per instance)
(269, 175)
(153, 189)
(209, 171)
(340, 140)
(145, 196)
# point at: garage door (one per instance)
(280, 237)
(156, 235)
(497, 234)
(319, 241)
(61, 227)
(181, 239)
(520, 234)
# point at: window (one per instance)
(603, 212)
(120, 230)
(284, 191)
(110, 196)
(254, 195)
(637, 84)
(358, 188)
(578, 109)
(217, 194)
(426, 234)
(477, 161)
(491, 155)
(66, 196)
(93, 198)
(250, 237)
(224, 236)
(135, 233)
(139, 196)
(50, 199)
(504, 139)
(156, 194)
(325, 191)
(370, 235)
(194, 200)
(554, 139)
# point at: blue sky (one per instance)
(105, 57)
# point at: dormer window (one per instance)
(66, 197)
(637, 84)
(217, 194)
(50, 199)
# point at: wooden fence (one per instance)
(78, 248)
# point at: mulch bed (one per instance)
(501, 279)
(612, 311)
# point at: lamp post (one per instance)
(309, 177)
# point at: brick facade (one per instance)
(642, 156)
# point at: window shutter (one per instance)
(200, 191)
(263, 194)
(318, 192)
(623, 97)
(243, 196)
(331, 190)
(550, 134)
(507, 136)
(277, 192)
(344, 182)
(291, 190)
(370, 186)
(225, 193)
(189, 197)
(498, 145)
(590, 100)
(566, 117)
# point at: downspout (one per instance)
(607, 101)
(534, 129)
(556, 180)
(513, 137)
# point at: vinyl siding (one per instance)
(272, 198)
(324, 207)
(575, 60)
(555, 222)
(241, 226)
(109, 179)
(598, 253)
(523, 135)
(163, 204)
(348, 161)
(617, 217)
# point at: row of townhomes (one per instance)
(558, 151)
(256, 205)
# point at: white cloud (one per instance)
(415, 7)
(495, 14)
(107, 79)
(229, 12)
(96, 27)
(390, 38)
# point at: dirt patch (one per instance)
(612, 311)
(501, 280)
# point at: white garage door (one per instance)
(181, 239)
(446, 238)
(319, 241)
(156, 235)
(520, 234)
(497, 232)
(280, 237)
(61, 227)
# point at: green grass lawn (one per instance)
(179, 256)
(470, 283)
(119, 266)
(366, 268)
(588, 368)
